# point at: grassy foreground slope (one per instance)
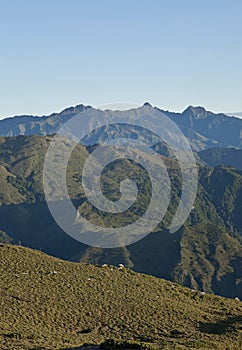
(47, 303)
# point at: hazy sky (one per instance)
(172, 53)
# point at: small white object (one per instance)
(237, 299)
(120, 266)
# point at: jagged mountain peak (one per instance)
(147, 104)
(76, 109)
(71, 110)
(197, 112)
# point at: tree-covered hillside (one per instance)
(204, 254)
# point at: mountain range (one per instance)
(205, 254)
(202, 128)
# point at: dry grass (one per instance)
(83, 303)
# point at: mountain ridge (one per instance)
(216, 213)
(202, 128)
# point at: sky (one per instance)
(172, 53)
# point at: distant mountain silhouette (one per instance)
(202, 128)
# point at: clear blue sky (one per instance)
(172, 53)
